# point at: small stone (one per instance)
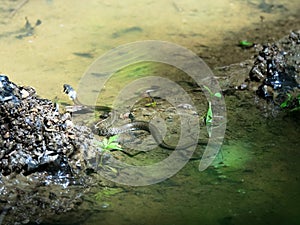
(105, 205)
(24, 93)
(6, 135)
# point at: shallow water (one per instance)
(254, 181)
(72, 34)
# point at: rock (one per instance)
(42, 156)
(273, 75)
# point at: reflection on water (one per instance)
(258, 181)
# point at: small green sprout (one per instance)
(110, 143)
(217, 94)
(291, 103)
(208, 119)
(209, 114)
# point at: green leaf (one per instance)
(287, 101)
(245, 43)
(283, 105)
(113, 146)
(218, 95)
(112, 139)
(152, 104)
(208, 119)
(110, 143)
(209, 115)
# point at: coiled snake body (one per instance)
(132, 126)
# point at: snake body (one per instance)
(132, 126)
(137, 125)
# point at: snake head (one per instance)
(70, 91)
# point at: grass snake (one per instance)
(132, 126)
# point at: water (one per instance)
(48, 59)
(257, 179)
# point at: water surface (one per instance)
(256, 181)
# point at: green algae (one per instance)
(106, 193)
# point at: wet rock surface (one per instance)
(272, 75)
(44, 157)
(36, 137)
(277, 67)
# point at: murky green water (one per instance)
(256, 181)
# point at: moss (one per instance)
(106, 193)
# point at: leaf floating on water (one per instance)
(246, 44)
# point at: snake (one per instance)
(131, 126)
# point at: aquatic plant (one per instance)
(106, 193)
(291, 103)
(209, 114)
(217, 94)
(108, 144)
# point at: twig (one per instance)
(18, 8)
